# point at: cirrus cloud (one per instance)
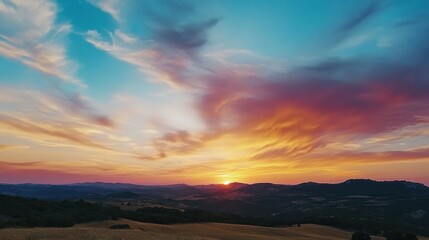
(36, 40)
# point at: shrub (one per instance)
(120, 226)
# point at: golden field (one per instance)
(204, 231)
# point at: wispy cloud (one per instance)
(360, 16)
(37, 130)
(168, 52)
(30, 35)
(310, 107)
(11, 146)
(109, 6)
(174, 144)
(52, 117)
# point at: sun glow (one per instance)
(226, 182)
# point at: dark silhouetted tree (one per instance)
(120, 226)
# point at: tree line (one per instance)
(30, 212)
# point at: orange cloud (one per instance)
(49, 130)
(11, 146)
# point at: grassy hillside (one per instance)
(148, 231)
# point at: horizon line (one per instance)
(193, 185)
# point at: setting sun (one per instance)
(226, 182)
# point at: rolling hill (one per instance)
(206, 231)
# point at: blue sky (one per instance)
(211, 91)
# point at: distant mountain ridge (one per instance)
(93, 189)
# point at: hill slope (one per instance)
(207, 231)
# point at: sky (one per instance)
(198, 92)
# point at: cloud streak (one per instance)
(169, 53)
(4, 147)
(360, 17)
(35, 40)
(307, 109)
(53, 117)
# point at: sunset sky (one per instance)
(163, 92)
